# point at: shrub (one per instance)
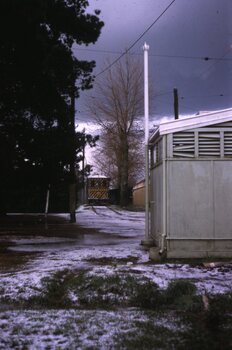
(147, 295)
(181, 294)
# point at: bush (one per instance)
(181, 294)
(55, 290)
(96, 291)
(147, 296)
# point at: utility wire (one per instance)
(207, 70)
(204, 96)
(135, 42)
(182, 98)
(204, 58)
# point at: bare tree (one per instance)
(107, 155)
(116, 105)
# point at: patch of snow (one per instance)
(72, 329)
(118, 235)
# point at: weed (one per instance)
(107, 291)
(96, 291)
(178, 288)
(181, 294)
(147, 295)
(112, 260)
(219, 312)
(55, 291)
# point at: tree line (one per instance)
(40, 79)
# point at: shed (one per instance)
(191, 186)
(98, 189)
(138, 193)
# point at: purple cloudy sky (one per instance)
(192, 29)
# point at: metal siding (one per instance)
(199, 195)
(223, 199)
(156, 201)
(190, 193)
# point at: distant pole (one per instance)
(146, 125)
(176, 103)
(46, 207)
(83, 160)
(83, 171)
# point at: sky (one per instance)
(187, 33)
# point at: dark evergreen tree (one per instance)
(39, 81)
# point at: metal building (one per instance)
(191, 186)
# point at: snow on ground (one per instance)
(113, 249)
(73, 329)
(121, 222)
(118, 240)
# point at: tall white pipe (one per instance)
(146, 126)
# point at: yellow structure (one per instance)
(139, 194)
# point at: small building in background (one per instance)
(98, 189)
(191, 186)
(138, 194)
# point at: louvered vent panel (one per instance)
(209, 144)
(228, 144)
(160, 150)
(221, 125)
(183, 144)
(157, 152)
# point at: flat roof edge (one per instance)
(205, 119)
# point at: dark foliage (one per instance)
(39, 79)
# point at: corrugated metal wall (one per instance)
(198, 196)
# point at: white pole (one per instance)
(146, 122)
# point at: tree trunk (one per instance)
(3, 199)
(72, 202)
(124, 191)
(72, 181)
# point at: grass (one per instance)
(91, 291)
(112, 260)
(69, 289)
(147, 335)
(174, 318)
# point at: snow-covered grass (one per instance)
(82, 329)
(115, 271)
(115, 249)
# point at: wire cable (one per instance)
(204, 96)
(204, 58)
(207, 70)
(136, 41)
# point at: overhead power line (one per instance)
(137, 40)
(222, 58)
(202, 58)
(204, 96)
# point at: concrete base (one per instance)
(194, 248)
(181, 254)
(155, 255)
(147, 243)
